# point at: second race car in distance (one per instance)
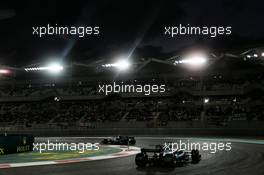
(120, 140)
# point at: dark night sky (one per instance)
(124, 25)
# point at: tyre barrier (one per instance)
(15, 143)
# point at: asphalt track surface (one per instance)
(244, 159)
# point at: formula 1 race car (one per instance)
(120, 140)
(165, 157)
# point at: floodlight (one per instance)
(54, 68)
(4, 71)
(122, 64)
(206, 100)
(195, 59)
(262, 54)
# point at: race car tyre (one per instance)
(141, 160)
(196, 157)
(169, 160)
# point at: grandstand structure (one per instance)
(227, 93)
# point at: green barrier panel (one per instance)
(10, 144)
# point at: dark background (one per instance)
(126, 27)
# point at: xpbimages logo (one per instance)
(80, 31)
(80, 147)
(146, 89)
(212, 147)
(212, 31)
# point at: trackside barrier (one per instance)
(12, 143)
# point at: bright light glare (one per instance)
(122, 64)
(55, 68)
(206, 100)
(193, 59)
(262, 54)
(4, 71)
(52, 68)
